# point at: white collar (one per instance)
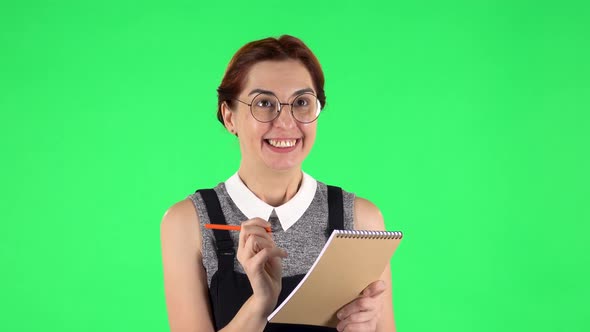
(253, 207)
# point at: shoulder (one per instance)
(367, 215)
(180, 224)
(180, 214)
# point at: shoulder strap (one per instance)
(335, 209)
(225, 245)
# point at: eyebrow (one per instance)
(268, 92)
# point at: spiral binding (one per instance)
(363, 234)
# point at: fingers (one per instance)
(256, 222)
(267, 260)
(256, 246)
(259, 250)
(253, 238)
(267, 254)
(255, 226)
(363, 313)
(360, 304)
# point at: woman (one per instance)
(270, 98)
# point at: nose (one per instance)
(285, 118)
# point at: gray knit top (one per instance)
(303, 241)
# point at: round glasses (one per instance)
(265, 107)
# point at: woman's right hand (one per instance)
(261, 260)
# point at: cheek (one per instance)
(252, 131)
(310, 133)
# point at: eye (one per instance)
(302, 102)
(265, 103)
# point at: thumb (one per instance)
(374, 288)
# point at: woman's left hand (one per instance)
(363, 313)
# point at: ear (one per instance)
(229, 118)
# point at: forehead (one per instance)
(281, 77)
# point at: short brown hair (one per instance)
(283, 48)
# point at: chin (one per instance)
(283, 165)
(285, 161)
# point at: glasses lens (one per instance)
(306, 108)
(265, 107)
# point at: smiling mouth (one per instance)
(282, 143)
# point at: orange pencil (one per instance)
(229, 227)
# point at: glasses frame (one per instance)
(280, 105)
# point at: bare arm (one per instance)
(185, 279)
(367, 216)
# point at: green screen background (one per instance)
(466, 122)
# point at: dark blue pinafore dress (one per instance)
(229, 289)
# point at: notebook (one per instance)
(348, 263)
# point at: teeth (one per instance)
(282, 143)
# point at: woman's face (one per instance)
(283, 143)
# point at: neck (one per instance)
(271, 186)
